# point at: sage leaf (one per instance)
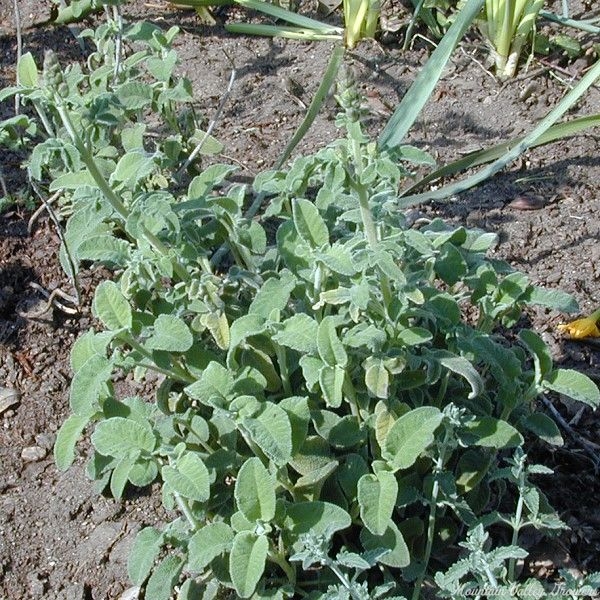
(411, 435)
(118, 436)
(317, 517)
(170, 334)
(207, 543)
(215, 382)
(66, 439)
(575, 385)
(544, 427)
(274, 294)
(299, 333)
(145, 550)
(398, 556)
(247, 562)
(331, 381)
(331, 349)
(377, 498)
(309, 224)
(189, 477)
(377, 378)
(27, 73)
(89, 383)
(494, 433)
(163, 578)
(111, 307)
(461, 366)
(120, 474)
(272, 433)
(542, 359)
(255, 491)
(132, 168)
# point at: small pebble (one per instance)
(527, 203)
(8, 397)
(33, 453)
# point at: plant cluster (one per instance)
(339, 412)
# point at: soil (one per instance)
(61, 540)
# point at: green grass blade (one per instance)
(481, 157)
(415, 99)
(294, 33)
(317, 102)
(289, 16)
(526, 142)
(584, 25)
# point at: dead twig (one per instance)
(48, 206)
(593, 450)
(213, 122)
(19, 48)
(51, 301)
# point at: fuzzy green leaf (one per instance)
(494, 433)
(170, 334)
(273, 295)
(331, 349)
(298, 333)
(410, 435)
(163, 578)
(377, 498)
(247, 562)
(27, 73)
(331, 381)
(377, 378)
(111, 307)
(255, 491)
(207, 543)
(542, 358)
(575, 385)
(392, 540)
(88, 384)
(132, 168)
(544, 427)
(66, 439)
(272, 433)
(189, 477)
(118, 436)
(309, 224)
(143, 554)
(461, 366)
(316, 517)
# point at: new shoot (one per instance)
(507, 26)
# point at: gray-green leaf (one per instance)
(255, 491)
(111, 307)
(189, 477)
(309, 224)
(145, 549)
(377, 498)
(207, 543)
(118, 436)
(575, 385)
(247, 562)
(170, 334)
(411, 435)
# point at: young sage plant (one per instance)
(337, 412)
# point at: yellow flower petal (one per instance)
(581, 328)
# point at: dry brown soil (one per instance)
(58, 538)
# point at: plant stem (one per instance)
(516, 525)
(439, 465)
(283, 369)
(185, 509)
(105, 188)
